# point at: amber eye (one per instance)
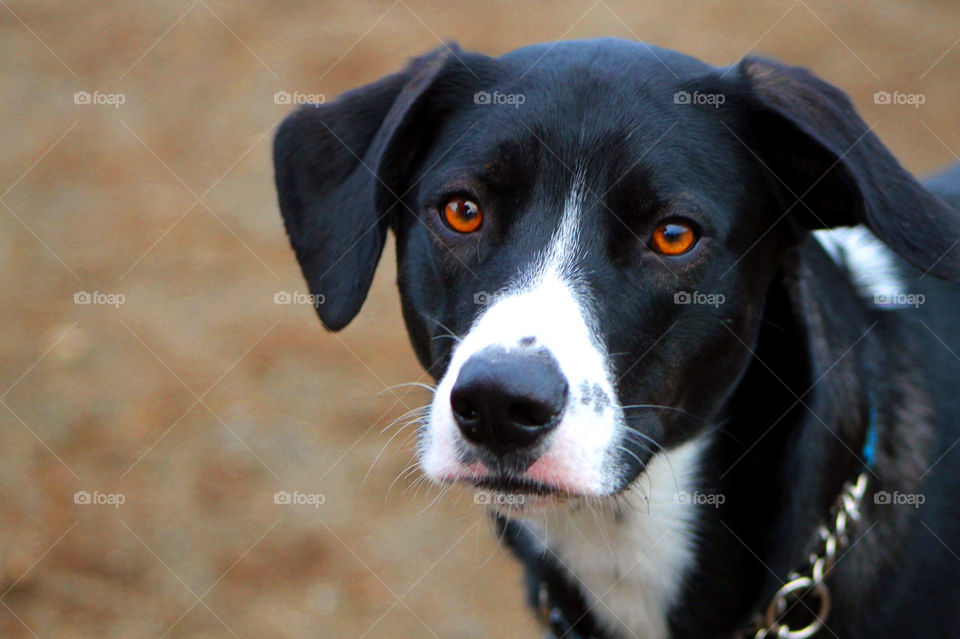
(462, 215)
(673, 238)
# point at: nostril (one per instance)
(464, 409)
(529, 414)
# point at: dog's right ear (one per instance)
(329, 160)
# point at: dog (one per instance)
(694, 330)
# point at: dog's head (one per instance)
(586, 234)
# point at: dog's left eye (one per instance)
(673, 238)
(463, 215)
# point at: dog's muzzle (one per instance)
(527, 403)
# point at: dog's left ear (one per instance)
(809, 135)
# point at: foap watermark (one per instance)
(487, 498)
(900, 299)
(296, 297)
(96, 498)
(896, 498)
(296, 498)
(483, 298)
(285, 97)
(898, 98)
(697, 298)
(97, 99)
(513, 99)
(697, 498)
(98, 298)
(709, 99)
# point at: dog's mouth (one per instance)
(517, 486)
(514, 495)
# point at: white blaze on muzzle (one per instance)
(544, 309)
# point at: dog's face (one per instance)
(586, 234)
(597, 219)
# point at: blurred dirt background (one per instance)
(198, 397)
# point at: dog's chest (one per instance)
(631, 566)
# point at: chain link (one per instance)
(810, 581)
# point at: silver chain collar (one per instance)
(809, 584)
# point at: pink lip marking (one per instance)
(473, 471)
(560, 469)
(545, 471)
(552, 469)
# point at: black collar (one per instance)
(562, 611)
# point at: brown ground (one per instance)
(198, 397)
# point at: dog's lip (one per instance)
(542, 489)
(505, 485)
(516, 486)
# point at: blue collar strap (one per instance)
(869, 452)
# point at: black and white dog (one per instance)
(691, 327)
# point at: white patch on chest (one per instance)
(631, 567)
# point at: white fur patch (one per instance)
(873, 267)
(631, 567)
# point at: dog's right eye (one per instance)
(462, 215)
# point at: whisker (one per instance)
(444, 327)
(443, 491)
(380, 454)
(667, 408)
(631, 453)
(406, 472)
(429, 387)
(653, 446)
(660, 449)
(634, 455)
(418, 413)
(499, 538)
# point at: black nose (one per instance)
(507, 401)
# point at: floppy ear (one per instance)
(810, 136)
(330, 162)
